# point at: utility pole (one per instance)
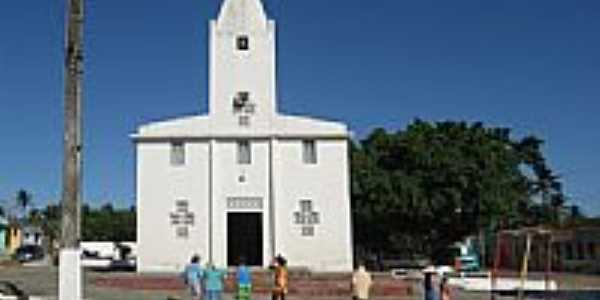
(70, 267)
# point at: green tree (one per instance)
(108, 224)
(420, 189)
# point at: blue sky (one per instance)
(533, 66)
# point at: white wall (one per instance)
(159, 186)
(326, 184)
(226, 184)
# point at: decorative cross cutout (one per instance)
(242, 103)
(182, 218)
(307, 218)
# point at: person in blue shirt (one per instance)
(213, 282)
(244, 280)
(193, 275)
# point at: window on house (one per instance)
(592, 250)
(308, 231)
(177, 153)
(569, 251)
(309, 152)
(558, 251)
(243, 43)
(580, 251)
(244, 153)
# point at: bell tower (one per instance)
(242, 64)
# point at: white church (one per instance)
(243, 180)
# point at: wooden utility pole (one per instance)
(71, 196)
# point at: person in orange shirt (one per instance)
(280, 289)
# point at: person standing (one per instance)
(444, 289)
(213, 282)
(429, 291)
(244, 281)
(361, 283)
(280, 289)
(193, 275)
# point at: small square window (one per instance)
(243, 43)
(592, 250)
(314, 218)
(244, 121)
(308, 231)
(177, 154)
(309, 152)
(244, 153)
(181, 205)
(306, 206)
(569, 251)
(175, 219)
(580, 251)
(298, 218)
(182, 232)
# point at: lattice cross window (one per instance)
(182, 218)
(307, 218)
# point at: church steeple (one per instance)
(242, 15)
(242, 64)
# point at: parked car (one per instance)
(9, 291)
(29, 253)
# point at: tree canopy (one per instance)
(108, 224)
(425, 187)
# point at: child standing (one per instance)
(244, 281)
(213, 281)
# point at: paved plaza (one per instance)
(42, 281)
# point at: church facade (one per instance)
(243, 180)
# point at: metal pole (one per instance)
(496, 266)
(211, 145)
(549, 257)
(525, 266)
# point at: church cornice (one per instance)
(231, 137)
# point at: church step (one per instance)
(316, 285)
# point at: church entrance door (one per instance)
(245, 238)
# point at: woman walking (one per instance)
(213, 282)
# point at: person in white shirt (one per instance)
(361, 283)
